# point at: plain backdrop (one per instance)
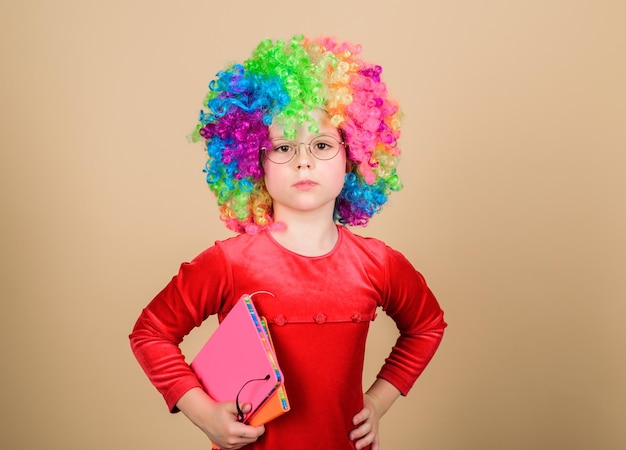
(513, 209)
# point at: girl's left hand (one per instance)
(367, 421)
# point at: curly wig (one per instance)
(282, 82)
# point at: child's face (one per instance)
(306, 184)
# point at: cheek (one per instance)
(272, 178)
(337, 175)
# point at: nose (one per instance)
(303, 157)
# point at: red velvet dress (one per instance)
(318, 319)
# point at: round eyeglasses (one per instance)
(322, 147)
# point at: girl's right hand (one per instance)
(218, 420)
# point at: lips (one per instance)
(305, 184)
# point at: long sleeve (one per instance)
(419, 318)
(190, 297)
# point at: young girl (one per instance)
(301, 140)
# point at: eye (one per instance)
(324, 143)
(282, 148)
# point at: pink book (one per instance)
(238, 361)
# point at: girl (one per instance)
(301, 140)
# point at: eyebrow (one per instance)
(338, 136)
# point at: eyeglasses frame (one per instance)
(264, 151)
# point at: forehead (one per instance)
(321, 118)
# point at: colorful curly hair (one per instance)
(284, 82)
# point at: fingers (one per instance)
(241, 436)
(246, 407)
(361, 431)
(241, 433)
(368, 439)
(361, 416)
(376, 443)
(231, 407)
(366, 432)
(232, 434)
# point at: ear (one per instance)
(349, 165)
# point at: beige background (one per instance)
(514, 144)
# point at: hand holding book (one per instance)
(238, 363)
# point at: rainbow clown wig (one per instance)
(282, 82)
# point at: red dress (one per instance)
(318, 319)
